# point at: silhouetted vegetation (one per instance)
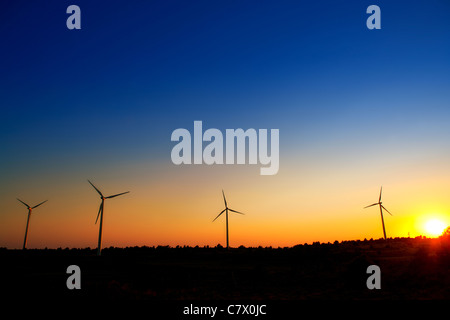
(412, 268)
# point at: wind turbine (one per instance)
(379, 203)
(226, 211)
(28, 220)
(100, 214)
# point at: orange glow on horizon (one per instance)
(176, 206)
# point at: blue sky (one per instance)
(231, 62)
(137, 71)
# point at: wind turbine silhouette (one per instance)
(226, 211)
(28, 220)
(100, 214)
(381, 211)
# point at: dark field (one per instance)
(410, 269)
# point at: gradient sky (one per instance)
(356, 109)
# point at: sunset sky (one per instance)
(356, 109)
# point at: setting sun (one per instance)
(435, 227)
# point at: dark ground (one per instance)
(410, 269)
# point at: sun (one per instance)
(435, 227)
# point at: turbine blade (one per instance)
(371, 205)
(379, 199)
(235, 211)
(224, 199)
(24, 203)
(39, 204)
(116, 195)
(386, 210)
(99, 210)
(96, 189)
(219, 214)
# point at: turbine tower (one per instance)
(226, 211)
(28, 220)
(100, 214)
(379, 203)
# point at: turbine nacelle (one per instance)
(31, 208)
(226, 208)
